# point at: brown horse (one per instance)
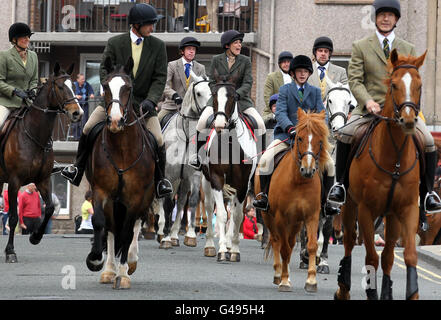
(384, 181)
(295, 197)
(27, 155)
(121, 172)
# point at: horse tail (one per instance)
(119, 217)
(268, 253)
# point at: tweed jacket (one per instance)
(334, 72)
(242, 66)
(14, 74)
(176, 82)
(288, 103)
(151, 76)
(273, 83)
(367, 70)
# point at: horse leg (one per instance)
(122, 280)
(311, 230)
(336, 224)
(277, 265)
(285, 253)
(366, 219)
(13, 187)
(132, 259)
(109, 273)
(209, 248)
(166, 208)
(45, 188)
(95, 259)
(323, 267)
(221, 219)
(387, 256)
(303, 239)
(349, 219)
(190, 236)
(236, 220)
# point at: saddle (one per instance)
(249, 121)
(166, 120)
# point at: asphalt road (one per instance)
(56, 270)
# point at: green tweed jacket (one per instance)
(367, 70)
(242, 65)
(14, 74)
(273, 83)
(151, 76)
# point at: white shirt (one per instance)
(184, 62)
(134, 37)
(390, 38)
(286, 77)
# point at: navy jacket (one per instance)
(288, 103)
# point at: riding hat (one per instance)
(230, 36)
(189, 41)
(19, 29)
(285, 55)
(142, 14)
(387, 6)
(273, 99)
(301, 61)
(323, 42)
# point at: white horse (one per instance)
(180, 142)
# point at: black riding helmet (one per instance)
(189, 41)
(285, 55)
(301, 61)
(323, 42)
(19, 29)
(387, 6)
(230, 36)
(143, 13)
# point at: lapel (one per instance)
(315, 77)
(279, 78)
(397, 44)
(307, 91)
(294, 92)
(17, 58)
(223, 62)
(331, 72)
(181, 72)
(375, 45)
(145, 54)
(235, 65)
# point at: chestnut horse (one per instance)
(121, 172)
(384, 181)
(295, 197)
(27, 155)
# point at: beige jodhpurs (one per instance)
(4, 113)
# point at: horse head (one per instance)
(311, 142)
(224, 101)
(117, 88)
(197, 95)
(62, 97)
(403, 100)
(338, 103)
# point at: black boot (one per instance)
(329, 209)
(262, 202)
(196, 159)
(163, 186)
(337, 194)
(432, 202)
(75, 172)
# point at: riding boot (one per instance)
(337, 194)
(262, 202)
(197, 158)
(74, 173)
(432, 202)
(163, 186)
(329, 209)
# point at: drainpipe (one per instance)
(13, 10)
(271, 59)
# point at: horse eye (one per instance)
(330, 101)
(300, 139)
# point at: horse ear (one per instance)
(70, 69)
(394, 57)
(57, 69)
(322, 114)
(300, 113)
(108, 64)
(129, 66)
(420, 60)
(329, 82)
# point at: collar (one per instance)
(134, 37)
(390, 38)
(286, 77)
(184, 62)
(298, 87)
(230, 55)
(326, 66)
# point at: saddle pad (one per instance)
(250, 122)
(166, 120)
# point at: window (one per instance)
(90, 67)
(344, 1)
(342, 61)
(61, 188)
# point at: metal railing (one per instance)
(112, 15)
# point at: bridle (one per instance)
(230, 122)
(198, 107)
(316, 156)
(414, 106)
(332, 116)
(125, 107)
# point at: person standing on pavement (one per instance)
(29, 209)
(83, 91)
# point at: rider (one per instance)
(227, 64)
(322, 51)
(148, 78)
(289, 100)
(367, 71)
(178, 76)
(275, 80)
(18, 70)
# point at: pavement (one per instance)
(430, 254)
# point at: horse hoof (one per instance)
(34, 239)
(338, 295)
(132, 267)
(284, 288)
(311, 288)
(94, 262)
(165, 245)
(303, 265)
(277, 280)
(175, 242)
(210, 252)
(149, 235)
(323, 269)
(121, 283)
(235, 257)
(190, 242)
(11, 258)
(221, 257)
(182, 232)
(159, 238)
(107, 277)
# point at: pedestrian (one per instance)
(57, 207)
(366, 72)
(212, 9)
(179, 76)
(250, 223)
(149, 76)
(83, 91)
(18, 71)
(5, 214)
(271, 122)
(29, 209)
(86, 226)
(190, 14)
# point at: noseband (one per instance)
(125, 107)
(332, 116)
(315, 156)
(414, 106)
(230, 122)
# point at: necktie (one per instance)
(187, 70)
(386, 48)
(138, 41)
(301, 91)
(322, 72)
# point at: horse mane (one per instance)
(314, 122)
(188, 101)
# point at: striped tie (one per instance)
(322, 72)
(301, 91)
(386, 48)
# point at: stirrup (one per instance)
(196, 165)
(167, 184)
(333, 202)
(70, 173)
(262, 197)
(431, 193)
